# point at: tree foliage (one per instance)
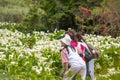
(59, 14)
(89, 16)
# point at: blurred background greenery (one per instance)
(100, 17)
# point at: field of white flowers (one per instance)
(36, 56)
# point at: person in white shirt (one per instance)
(70, 56)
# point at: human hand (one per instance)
(66, 73)
(62, 73)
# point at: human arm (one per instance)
(64, 62)
(65, 69)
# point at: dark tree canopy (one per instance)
(61, 14)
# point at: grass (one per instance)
(3, 75)
(110, 77)
(13, 6)
(12, 10)
(115, 76)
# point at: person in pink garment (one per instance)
(71, 60)
(79, 46)
(78, 42)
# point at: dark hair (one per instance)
(73, 34)
(79, 36)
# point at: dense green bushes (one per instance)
(37, 56)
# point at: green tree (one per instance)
(58, 14)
